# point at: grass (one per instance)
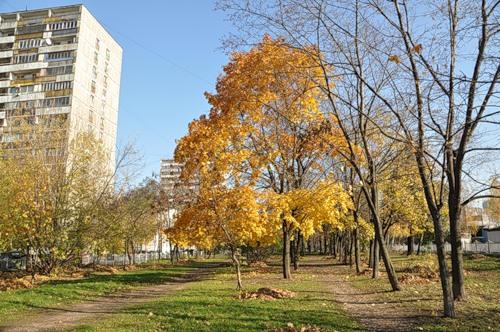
(59, 293)
(479, 312)
(211, 305)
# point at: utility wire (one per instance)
(161, 56)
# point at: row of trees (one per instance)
(271, 164)
(356, 112)
(59, 200)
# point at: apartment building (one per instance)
(171, 184)
(59, 63)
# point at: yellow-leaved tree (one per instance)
(266, 131)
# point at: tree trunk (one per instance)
(237, 266)
(160, 244)
(293, 258)
(420, 243)
(411, 248)
(351, 242)
(370, 254)
(286, 252)
(357, 259)
(449, 308)
(375, 259)
(457, 262)
(335, 246)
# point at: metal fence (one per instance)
(12, 261)
(473, 248)
(116, 260)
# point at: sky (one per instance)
(171, 55)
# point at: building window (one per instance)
(96, 58)
(93, 87)
(97, 44)
(63, 70)
(56, 86)
(22, 89)
(94, 72)
(30, 43)
(26, 58)
(108, 54)
(54, 102)
(62, 25)
(57, 56)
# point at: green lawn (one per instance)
(479, 312)
(15, 303)
(211, 305)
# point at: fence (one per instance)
(112, 260)
(12, 261)
(473, 248)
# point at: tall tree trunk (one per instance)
(420, 243)
(160, 244)
(351, 242)
(357, 259)
(449, 308)
(335, 240)
(410, 245)
(375, 259)
(293, 258)
(370, 254)
(286, 252)
(457, 263)
(379, 237)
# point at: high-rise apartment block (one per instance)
(178, 191)
(59, 63)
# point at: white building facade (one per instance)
(59, 62)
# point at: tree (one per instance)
(221, 216)
(414, 74)
(264, 127)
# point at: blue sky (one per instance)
(171, 55)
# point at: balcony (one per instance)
(23, 67)
(53, 110)
(21, 97)
(29, 29)
(22, 82)
(8, 25)
(7, 39)
(65, 77)
(6, 54)
(64, 32)
(58, 48)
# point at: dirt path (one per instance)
(60, 318)
(368, 308)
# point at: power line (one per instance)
(161, 56)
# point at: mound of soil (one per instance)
(259, 264)
(421, 270)
(107, 269)
(15, 283)
(408, 278)
(268, 294)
